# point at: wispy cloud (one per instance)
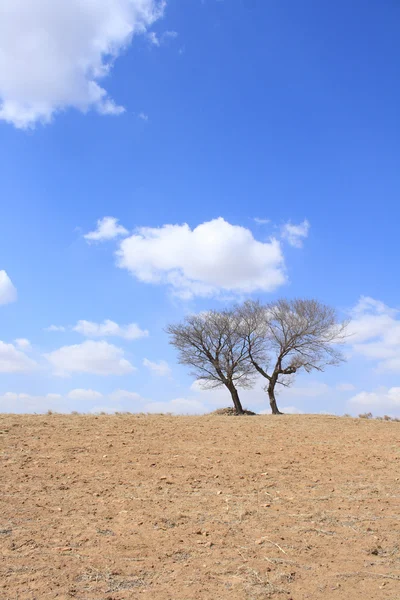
(157, 40)
(160, 368)
(296, 234)
(260, 221)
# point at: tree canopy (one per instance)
(233, 347)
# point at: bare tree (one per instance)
(287, 336)
(213, 345)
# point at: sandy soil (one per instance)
(181, 508)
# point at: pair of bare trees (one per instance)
(234, 346)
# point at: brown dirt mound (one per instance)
(231, 412)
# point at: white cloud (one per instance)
(170, 34)
(8, 292)
(11, 402)
(98, 358)
(312, 389)
(295, 234)
(143, 116)
(160, 368)
(107, 229)
(28, 403)
(374, 332)
(179, 406)
(13, 360)
(156, 40)
(55, 328)
(119, 395)
(382, 398)
(153, 38)
(121, 400)
(292, 410)
(84, 395)
(110, 329)
(287, 410)
(53, 54)
(215, 257)
(23, 344)
(261, 221)
(345, 387)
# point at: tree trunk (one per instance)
(236, 401)
(272, 399)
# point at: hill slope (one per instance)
(120, 507)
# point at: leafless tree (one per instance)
(286, 336)
(212, 344)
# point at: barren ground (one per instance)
(182, 508)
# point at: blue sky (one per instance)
(217, 115)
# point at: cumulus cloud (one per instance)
(382, 398)
(107, 229)
(13, 360)
(160, 368)
(296, 234)
(54, 54)
(55, 328)
(179, 406)
(98, 358)
(375, 333)
(110, 329)
(8, 292)
(213, 258)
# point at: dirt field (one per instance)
(160, 507)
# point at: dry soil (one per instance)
(212, 507)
